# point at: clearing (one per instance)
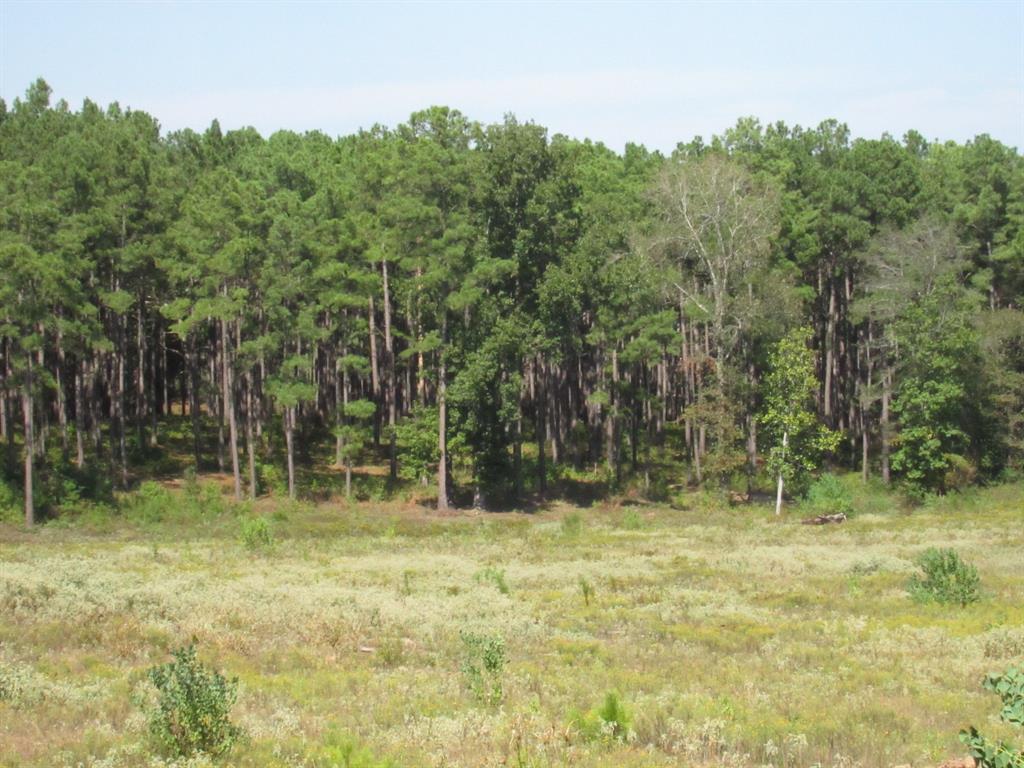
(730, 637)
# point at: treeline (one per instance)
(496, 302)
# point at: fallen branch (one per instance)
(823, 519)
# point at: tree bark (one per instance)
(541, 427)
(830, 331)
(289, 424)
(884, 425)
(79, 415)
(389, 355)
(193, 384)
(27, 407)
(374, 372)
(442, 422)
(778, 495)
(227, 389)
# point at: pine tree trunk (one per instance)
(122, 439)
(374, 372)
(341, 421)
(830, 331)
(751, 428)
(213, 401)
(389, 355)
(250, 443)
(140, 380)
(62, 406)
(79, 415)
(27, 407)
(193, 406)
(884, 425)
(227, 390)
(289, 423)
(442, 423)
(541, 427)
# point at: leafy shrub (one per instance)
(609, 722)
(416, 436)
(151, 502)
(483, 666)
(572, 524)
(10, 502)
(270, 478)
(946, 579)
(495, 577)
(1010, 688)
(192, 707)
(828, 496)
(960, 473)
(256, 534)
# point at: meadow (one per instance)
(690, 633)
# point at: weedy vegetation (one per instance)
(376, 635)
(945, 578)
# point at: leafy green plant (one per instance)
(945, 579)
(272, 479)
(255, 533)
(192, 706)
(1009, 686)
(10, 502)
(494, 576)
(416, 436)
(798, 440)
(610, 722)
(828, 496)
(483, 666)
(151, 502)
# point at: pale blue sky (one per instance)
(655, 73)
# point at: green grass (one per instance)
(728, 637)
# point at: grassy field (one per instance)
(730, 637)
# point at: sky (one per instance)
(649, 73)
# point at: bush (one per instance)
(828, 496)
(946, 579)
(151, 502)
(191, 711)
(960, 473)
(11, 503)
(256, 534)
(271, 479)
(609, 722)
(1010, 688)
(483, 666)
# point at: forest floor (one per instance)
(731, 637)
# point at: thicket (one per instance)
(490, 309)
